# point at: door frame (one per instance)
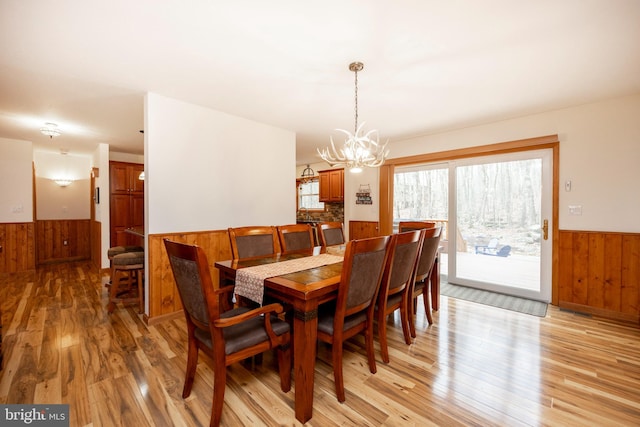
(549, 141)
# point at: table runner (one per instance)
(250, 280)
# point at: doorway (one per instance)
(494, 210)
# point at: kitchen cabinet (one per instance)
(332, 185)
(126, 202)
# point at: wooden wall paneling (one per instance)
(580, 279)
(18, 247)
(363, 229)
(163, 294)
(612, 272)
(51, 235)
(3, 249)
(600, 273)
(630, 275)
(565, 276)
(595, 265)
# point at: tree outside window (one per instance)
(309, 196)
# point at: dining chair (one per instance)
(254, 241)
(421, 277)
(414, 225)
(352, 312)
(396, 285)
(295, 237)
(225, 336)
(330, 233)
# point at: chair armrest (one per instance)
(225, 303)
(230, 321)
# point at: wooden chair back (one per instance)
(396, 285)
(295, 237)
(414, 225)
(330, 233)
(253, 241)
(430, 244)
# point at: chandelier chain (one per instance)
(355, 128)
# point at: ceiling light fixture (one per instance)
(359, 150)
(307, 175)
(50, 129)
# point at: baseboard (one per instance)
(600, 312)
(150, 321)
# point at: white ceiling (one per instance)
(429, 65)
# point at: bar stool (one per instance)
(117, 250)
(128, 268)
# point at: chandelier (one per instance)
(50, 129)
(359, 150)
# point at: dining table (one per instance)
(303, 291)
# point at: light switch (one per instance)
(567, 185)
(575, 209)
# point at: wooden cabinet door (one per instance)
(127, 202)
(137, 210)
(332, 185)
(336, 185)
(137, 184)
(119, 178)
(325, 187)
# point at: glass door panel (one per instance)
(491, 209)
(501, 203)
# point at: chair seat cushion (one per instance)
(129, 258)
(117, 250)
(245, 334)
(326, 315)
(419, 286)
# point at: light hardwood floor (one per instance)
(476, 365)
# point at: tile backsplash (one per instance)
(332, 212)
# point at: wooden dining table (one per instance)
(304, 291)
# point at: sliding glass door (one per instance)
(494, 210)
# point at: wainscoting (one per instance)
(63, 240)
(17, 249)
(164, 301)
(599, 273)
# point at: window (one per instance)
(309, 196)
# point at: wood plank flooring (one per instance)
(476, 365)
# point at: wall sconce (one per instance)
(63, 182)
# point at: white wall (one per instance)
(100, 160)
(55, 202)
(16, 194)
(208, 170)
(599, 153)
